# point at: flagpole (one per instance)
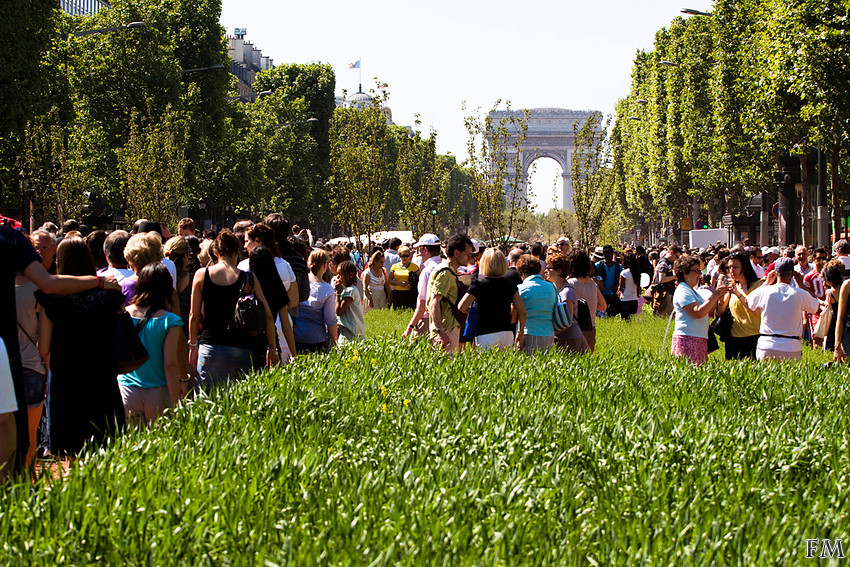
(360, 70)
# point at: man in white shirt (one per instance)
(391, 256)
(782, 308)
(842, 252)
(802, 267)
(429, 249)
(757, 260)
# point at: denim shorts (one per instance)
(218, 364)
(35, 388)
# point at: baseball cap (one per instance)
(476, 245)
(783, 265)
(774, 250)
(563, 240)
(427, 239)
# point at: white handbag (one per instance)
(824, 322)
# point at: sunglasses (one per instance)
(404, 255)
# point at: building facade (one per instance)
(83, 7)
(245, 62)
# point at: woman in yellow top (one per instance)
(404, 294)
(745, 323)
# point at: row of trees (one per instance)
(145, 118)
(385, 176)
(721, 98)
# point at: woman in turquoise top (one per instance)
(539, 298)
(690, 336)
(154, 386)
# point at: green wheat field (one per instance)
(388, 453)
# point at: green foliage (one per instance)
(153, 167)
(358, 185)
(592, 178)
(419, 182)
(314, 84)
(25, 82)
(387, 453)
(756, 80)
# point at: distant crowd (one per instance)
(106, 329)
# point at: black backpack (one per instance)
(249, 316)
(585, 323)
(302, 280)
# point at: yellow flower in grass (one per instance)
(384, 407)
(384, 391)
(406, 402)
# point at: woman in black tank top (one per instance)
(220, 352)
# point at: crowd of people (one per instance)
(209, 307)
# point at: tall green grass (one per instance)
(388, 452)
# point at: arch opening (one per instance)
(545, 185)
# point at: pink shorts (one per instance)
(694, 349)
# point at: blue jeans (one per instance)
(218, 364)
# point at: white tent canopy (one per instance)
(406, 237)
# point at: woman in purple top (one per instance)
(316, 325)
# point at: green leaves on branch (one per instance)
(592, 178)
(153, 168)
(358, 186)
(495, 165)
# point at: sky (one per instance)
(438, 55)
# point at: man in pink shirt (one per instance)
(429, 250)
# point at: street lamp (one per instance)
(202, 206)
(642, 101)
(692, 12)
(98, 31)
(28, 193)
(200, 69)
(635, 118)
(287, 124)
(668, 63)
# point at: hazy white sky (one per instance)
(436, 54)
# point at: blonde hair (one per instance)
(143, 249)
(204, 256)
(403, 249)
(317, 260)
(177, 249)
(493, 263)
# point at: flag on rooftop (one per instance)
(355, 65)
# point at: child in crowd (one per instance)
(349, 304)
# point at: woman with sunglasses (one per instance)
(401, 274)
(742, 280)
(692, 308)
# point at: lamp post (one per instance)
(202, 206)
(27, 193)
(288, 124)
(201, 69)
(692, 12)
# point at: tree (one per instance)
(25, 81)
(419, 183)
(592, 178)
(357, 188)
(314, 85)
(153, 168)
(495, 165)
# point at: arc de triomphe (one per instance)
(550, 134)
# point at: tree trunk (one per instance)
(806, 201)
